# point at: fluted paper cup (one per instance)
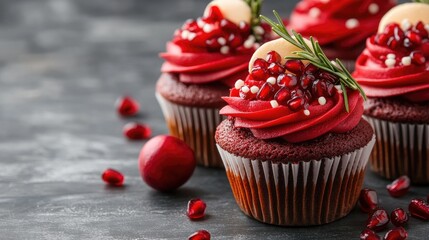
(401, 149)
(297, 194)
(196, 126)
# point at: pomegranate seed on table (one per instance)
(127, 106)
(136, 131)
(368, 234)
(378, 220)
(196, 209)
(418, 208)
(368, 200)
(113, 177)
(398, 233)
(399, 217)
(200, 235)
(399, 187)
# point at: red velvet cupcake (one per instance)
(394, 72)
(204, 59)
(295, 146)
(341, 27)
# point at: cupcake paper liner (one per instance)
(297, 194)
(196, 126)
(401, 149)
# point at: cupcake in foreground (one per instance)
(202, 62)
(341, 27)
(394, 72)
(295, 146)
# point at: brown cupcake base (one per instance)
(297, 194)
(401, 149)
(196, 126)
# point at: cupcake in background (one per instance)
(394, 72)
(341, 27)
(295, 151)
(203, 60)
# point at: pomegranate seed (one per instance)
(190, 25)
(297, 93)
(213, 44)
(378, 220)
(275, 69)
(306, 81)
(233, 92)
(398, 34)
(246, 94)
(368, 234)
(260, 63)
(398, 233)
(266, 92)
(136, 131)
(414, 37)
(418, 208)
(399, 187)
(392, 43)
(390, 29)
(214, 15)
(308, 96)
(328, 77)
(287, 80)
(319, 88)
(399, 217)
(113, 177)
(330, 89)
(228, 26)
(259, 73)
(296, 103)
(418, 57)
(196, 209)
(310, 69)
(244, 28)
(420, 29)
(273, 57)
(368, 200)
(425, 47)
(200, 235)
(282, 96)
(127, 106)
(294, 66)
(382, 39)
(235, 41)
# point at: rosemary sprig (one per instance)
(315, 56)
(421, 1)
(255, 6)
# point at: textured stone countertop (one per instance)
(63, 63)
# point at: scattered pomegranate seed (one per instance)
(418, 208)
(136, 131)
(368, 200)
(399, 187)
(399, 217)
(113, 177)
(368, 234)
(127, 106)
(398, 233)
(378, 220)
(196, 209)
(200, 235)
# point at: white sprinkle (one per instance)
(406, 61)
(314, 12)
(307, 112)
(258, 30)
(322, 100)
(242, 24)
(200, 23)
(427, 27)
(256, 45)
(249, 42)
(185, 34)
(390, 62)
(238, 84)
(224, 50)
(352, 23)
(405, 25)
(245, 89)
(271, 80)
(254, 89)
(373, 8)
(340, 91)
(324, 1)
(191, 36)
(274, 103)
(231, 37)
(334, 63)
(207, 28)
(221, 41)
(391, 56)
(338, 87)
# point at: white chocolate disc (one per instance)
(414, 12)
(281, 46)
(233, 10)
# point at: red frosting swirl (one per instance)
(267, 122)
(408, 81)
(326, 20)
